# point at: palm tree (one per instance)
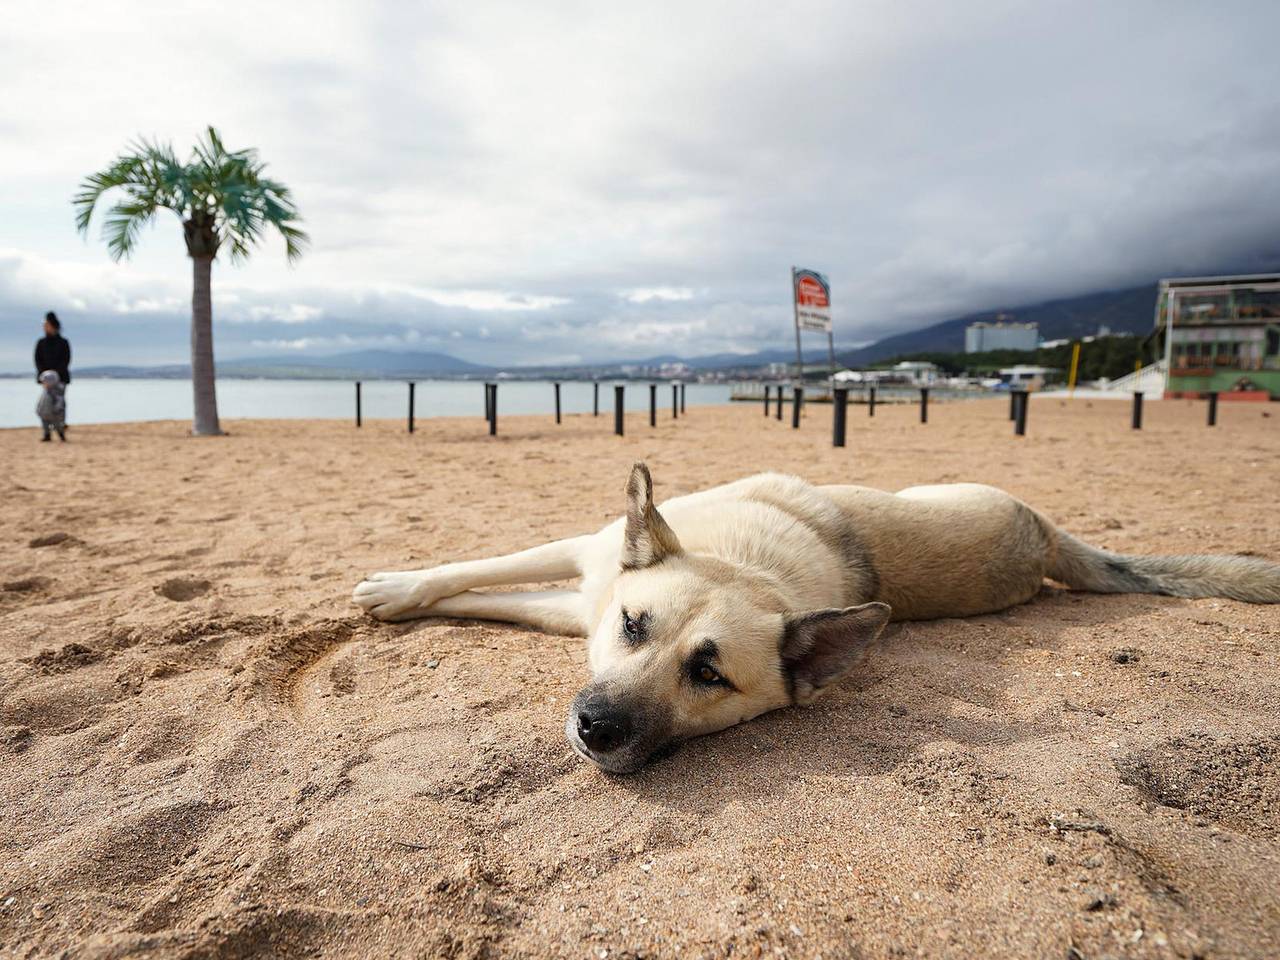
(221, 197)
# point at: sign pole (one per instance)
(795, 309)
(816, 291)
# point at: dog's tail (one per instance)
(1079, 565)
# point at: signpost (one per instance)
(811, 297)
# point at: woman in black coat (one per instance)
(52, 351)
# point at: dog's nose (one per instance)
(603, 733)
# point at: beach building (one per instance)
(1026, 376)
(1221, 334)
(1103, 331)
(919, 372)
(1000, 334)
(861, 376)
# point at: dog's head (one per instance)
(688, 645)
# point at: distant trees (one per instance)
(1109, 357)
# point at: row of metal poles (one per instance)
(1018, 406)
(1211, 419)
(840, 405)
(619, 401)
(619, 392)
(1018, 410)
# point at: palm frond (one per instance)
(150, 177)
(246, 202)
(295, 240)
(122, 224)
(228, 186)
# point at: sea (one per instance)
(112, 400)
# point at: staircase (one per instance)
(1149, 380)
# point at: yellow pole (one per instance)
(1075, 365)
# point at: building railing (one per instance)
(1206, 366)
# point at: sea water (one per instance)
(109, 400)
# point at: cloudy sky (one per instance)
(553, 181)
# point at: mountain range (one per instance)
(1131, 310)
(388, 362)
(1128, 310)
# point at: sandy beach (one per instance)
(206, 751)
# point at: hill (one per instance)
(361, 363)
(386, 362)
(1124, 311)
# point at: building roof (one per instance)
(915, 365)
(1206, 284)
(1185, 291)
(1026, 368)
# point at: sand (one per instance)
(205, 751)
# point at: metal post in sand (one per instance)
(840, 402)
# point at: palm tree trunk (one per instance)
(202, 377)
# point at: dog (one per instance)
(725, 604)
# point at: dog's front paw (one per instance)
(390, 596)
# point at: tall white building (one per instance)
(1000, 335)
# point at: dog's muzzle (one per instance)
(614, 734)
(603, 732)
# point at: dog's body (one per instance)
(727, 603)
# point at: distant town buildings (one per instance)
(1000, 334)
(666, 370)
(913, 372)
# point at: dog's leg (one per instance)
(551, 611)
(406, 594)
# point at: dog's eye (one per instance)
(632, 627)
(707, 675)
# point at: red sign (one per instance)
(813, 300)
(811, 293)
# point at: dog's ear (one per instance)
(818, 648)
(647, 539)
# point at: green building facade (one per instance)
(1222, 335)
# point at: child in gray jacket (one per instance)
(51, 408)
